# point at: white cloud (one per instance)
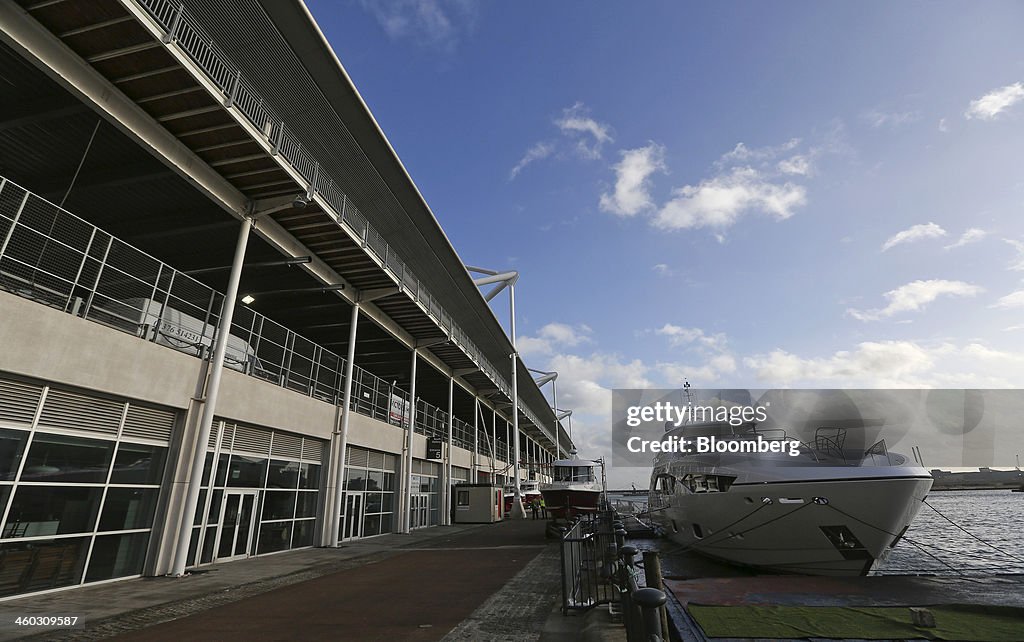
(663, 269)
(799, 165)
(972, 235)
(1017, 264)
(915, 296)
(553, 336)
(589, 134)
(679, 336)
(1014, 328)
(893, 364)
(995, 102)
(632, 180)
(538, 152)
(943, 125)
(882, 363)
(720, 201)
(1011, 301)
(743, 154)
(877, 118)
(434, 23)
(914, 233)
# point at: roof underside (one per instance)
(135, 196)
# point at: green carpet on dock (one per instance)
(953, 622)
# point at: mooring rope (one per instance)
(992, 546)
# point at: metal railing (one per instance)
(181, 28)
(599, 568)
(55, 258)
(589, 554)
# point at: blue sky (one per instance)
(744, 194)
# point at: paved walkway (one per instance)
(409, 587)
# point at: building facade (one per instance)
(198, 308)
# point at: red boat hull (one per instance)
(561, 502)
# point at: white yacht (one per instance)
(831, 508)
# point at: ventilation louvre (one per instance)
(313, 449)
(251, 440)
(148, 423)
(18, 401)
(286, 445)
(356, 457)
(72, 411)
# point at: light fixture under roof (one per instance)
(248, 299)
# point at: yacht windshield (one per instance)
(574, 474)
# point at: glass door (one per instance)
(352, 519)
(420, 513)
(237, 523)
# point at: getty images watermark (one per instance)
(949, 427)
(669, 415)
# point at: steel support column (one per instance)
(341, 437)
(447, 499)
(406, 517)
(195, 473)
(474, 469)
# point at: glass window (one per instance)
(47, 564)
(138, 464)
(374, 480)
(307, 505)
(309, 476)
(222, 470)
(52, 510)
(67, 459)
(207, 467)
(248, 472)
(355, 479)
(462, 498)
(209, 541)
(385, 523)
(128, 508)
(213, 516)
(371, 525)
(373, 502)
(117, 556)
(389, 481)
(278, 504)
(274, 536)
(200, 507)
(12, 446)
(387, 502)
(303, 533)
(283, 474)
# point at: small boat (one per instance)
(574, 488)
(527, 490)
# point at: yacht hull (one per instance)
(837, 526)
(563, 502)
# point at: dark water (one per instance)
(931, 546)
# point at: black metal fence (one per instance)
(598, 568)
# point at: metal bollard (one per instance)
(652, 577)
(650, 601)
(620, 537)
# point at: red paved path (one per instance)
(394, 599)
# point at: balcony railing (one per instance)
(180, 27)
(57, 259)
